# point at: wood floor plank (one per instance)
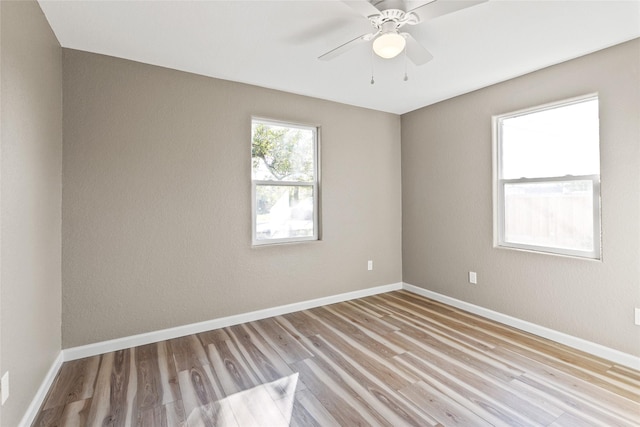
(168, 374)
(498, 334)
(50, 417)
(391, 359)
(175, 414)
(151, 416)
(369, 359)
(286, 345)
(371, 309)
(149, 393)
(589, 409)
(283, 393)
(336, 325)
(308, 411)
(74, 382)
(265, 363)
(418, 341)
(100, 409)
(230, 368)
(433, 320)
(130, 383)
(626, 376)
(215, 336)
(305, 325)
(490, 398)
(576, 386)
(347, 325)
(258, 405)
(445, 410)
(76, 414)
(300, 417)
(373, 363)
(594, 377)
(355, 315)
(242, 412)
(203, 405)
(570, 420)
(591, 368)
(368, 385)
(188, 352)
(341, 401)
(455, 384)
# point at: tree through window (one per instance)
(284, 165)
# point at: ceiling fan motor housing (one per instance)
(389, 27)
(389, 17)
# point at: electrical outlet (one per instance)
(370, 265)
(473, 277)
(4, 387)
(638, 316)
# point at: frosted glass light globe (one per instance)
(389, 45)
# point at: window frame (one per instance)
(315, 184)
(499, 184)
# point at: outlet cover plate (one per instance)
(4, 387)
(473, 277)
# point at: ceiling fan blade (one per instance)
(441, 7)
(415, 51)
(345, 47)
(363, 7)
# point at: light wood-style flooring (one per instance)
(394, 359)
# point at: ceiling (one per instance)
(275, 44)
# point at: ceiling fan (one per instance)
(387, 18)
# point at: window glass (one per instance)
(284, 170)
(282, 153)
(553, 142)
(555, 214)
(548, 179)
(284, 212)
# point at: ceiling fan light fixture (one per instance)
(389, 45)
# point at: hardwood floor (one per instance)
(393, 359)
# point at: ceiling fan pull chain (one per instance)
(372, 81)
(406, 77)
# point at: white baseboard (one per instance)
(599, 350)
(37, 401)
(151, 337)
(94, 349)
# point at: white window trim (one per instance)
(315, 184)
(499, 184)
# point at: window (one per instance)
(284, 182)
(547, 178)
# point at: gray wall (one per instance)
(31, 136)
(156, 201)
(447, 204)
(157, 212)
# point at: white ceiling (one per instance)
(275, 44)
